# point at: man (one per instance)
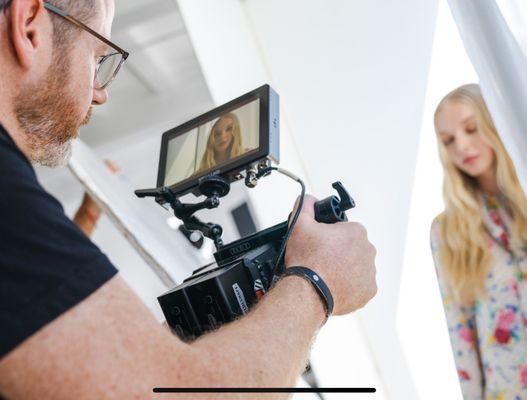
(70, 327)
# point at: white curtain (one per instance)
(502, 70)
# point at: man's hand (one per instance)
(340, 253)
(87, 215)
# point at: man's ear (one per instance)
(27, 28)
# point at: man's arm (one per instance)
(111, 347)
(270, 347)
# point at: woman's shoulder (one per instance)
(435, 229)
(437, 222)
(435, 244)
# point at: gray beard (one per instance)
(45, 146)
(49, 117)
(52, 154)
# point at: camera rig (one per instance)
(244, 270)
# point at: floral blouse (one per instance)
(489, 339)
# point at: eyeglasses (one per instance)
(108, 66)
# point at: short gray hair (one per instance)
(83, 10)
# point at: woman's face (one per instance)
(465, 144)
(223, 134)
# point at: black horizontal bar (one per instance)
(265, 390)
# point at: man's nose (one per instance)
(100, 96)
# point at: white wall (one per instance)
(352, 78)
(355, 74)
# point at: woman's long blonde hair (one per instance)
(208, 161)
(464, 251)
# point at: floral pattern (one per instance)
(489, 339)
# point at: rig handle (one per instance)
(332, 209)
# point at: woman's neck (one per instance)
(221, 157)
(488, 182)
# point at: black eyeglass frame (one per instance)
(124, 53)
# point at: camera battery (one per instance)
(218, 295)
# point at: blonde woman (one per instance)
(479, 246)
(224, 142)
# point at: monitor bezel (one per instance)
(232, 167)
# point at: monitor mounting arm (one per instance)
(213, 187)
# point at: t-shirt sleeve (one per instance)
(47, 265)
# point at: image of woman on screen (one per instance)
(479, 244)
(224, 142)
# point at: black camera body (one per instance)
(220, 292)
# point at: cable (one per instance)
(309, 374)
(295, 217)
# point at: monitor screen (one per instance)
(213, 144)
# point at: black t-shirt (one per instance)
(47, 265)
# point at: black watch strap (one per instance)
(317, 282)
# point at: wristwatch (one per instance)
(317, 282)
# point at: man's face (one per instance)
(51, 111)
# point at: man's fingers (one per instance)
(308, 207)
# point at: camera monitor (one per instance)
(224, 141)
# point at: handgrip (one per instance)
(332, 209)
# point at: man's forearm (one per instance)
(270, 346)
(93, 352)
